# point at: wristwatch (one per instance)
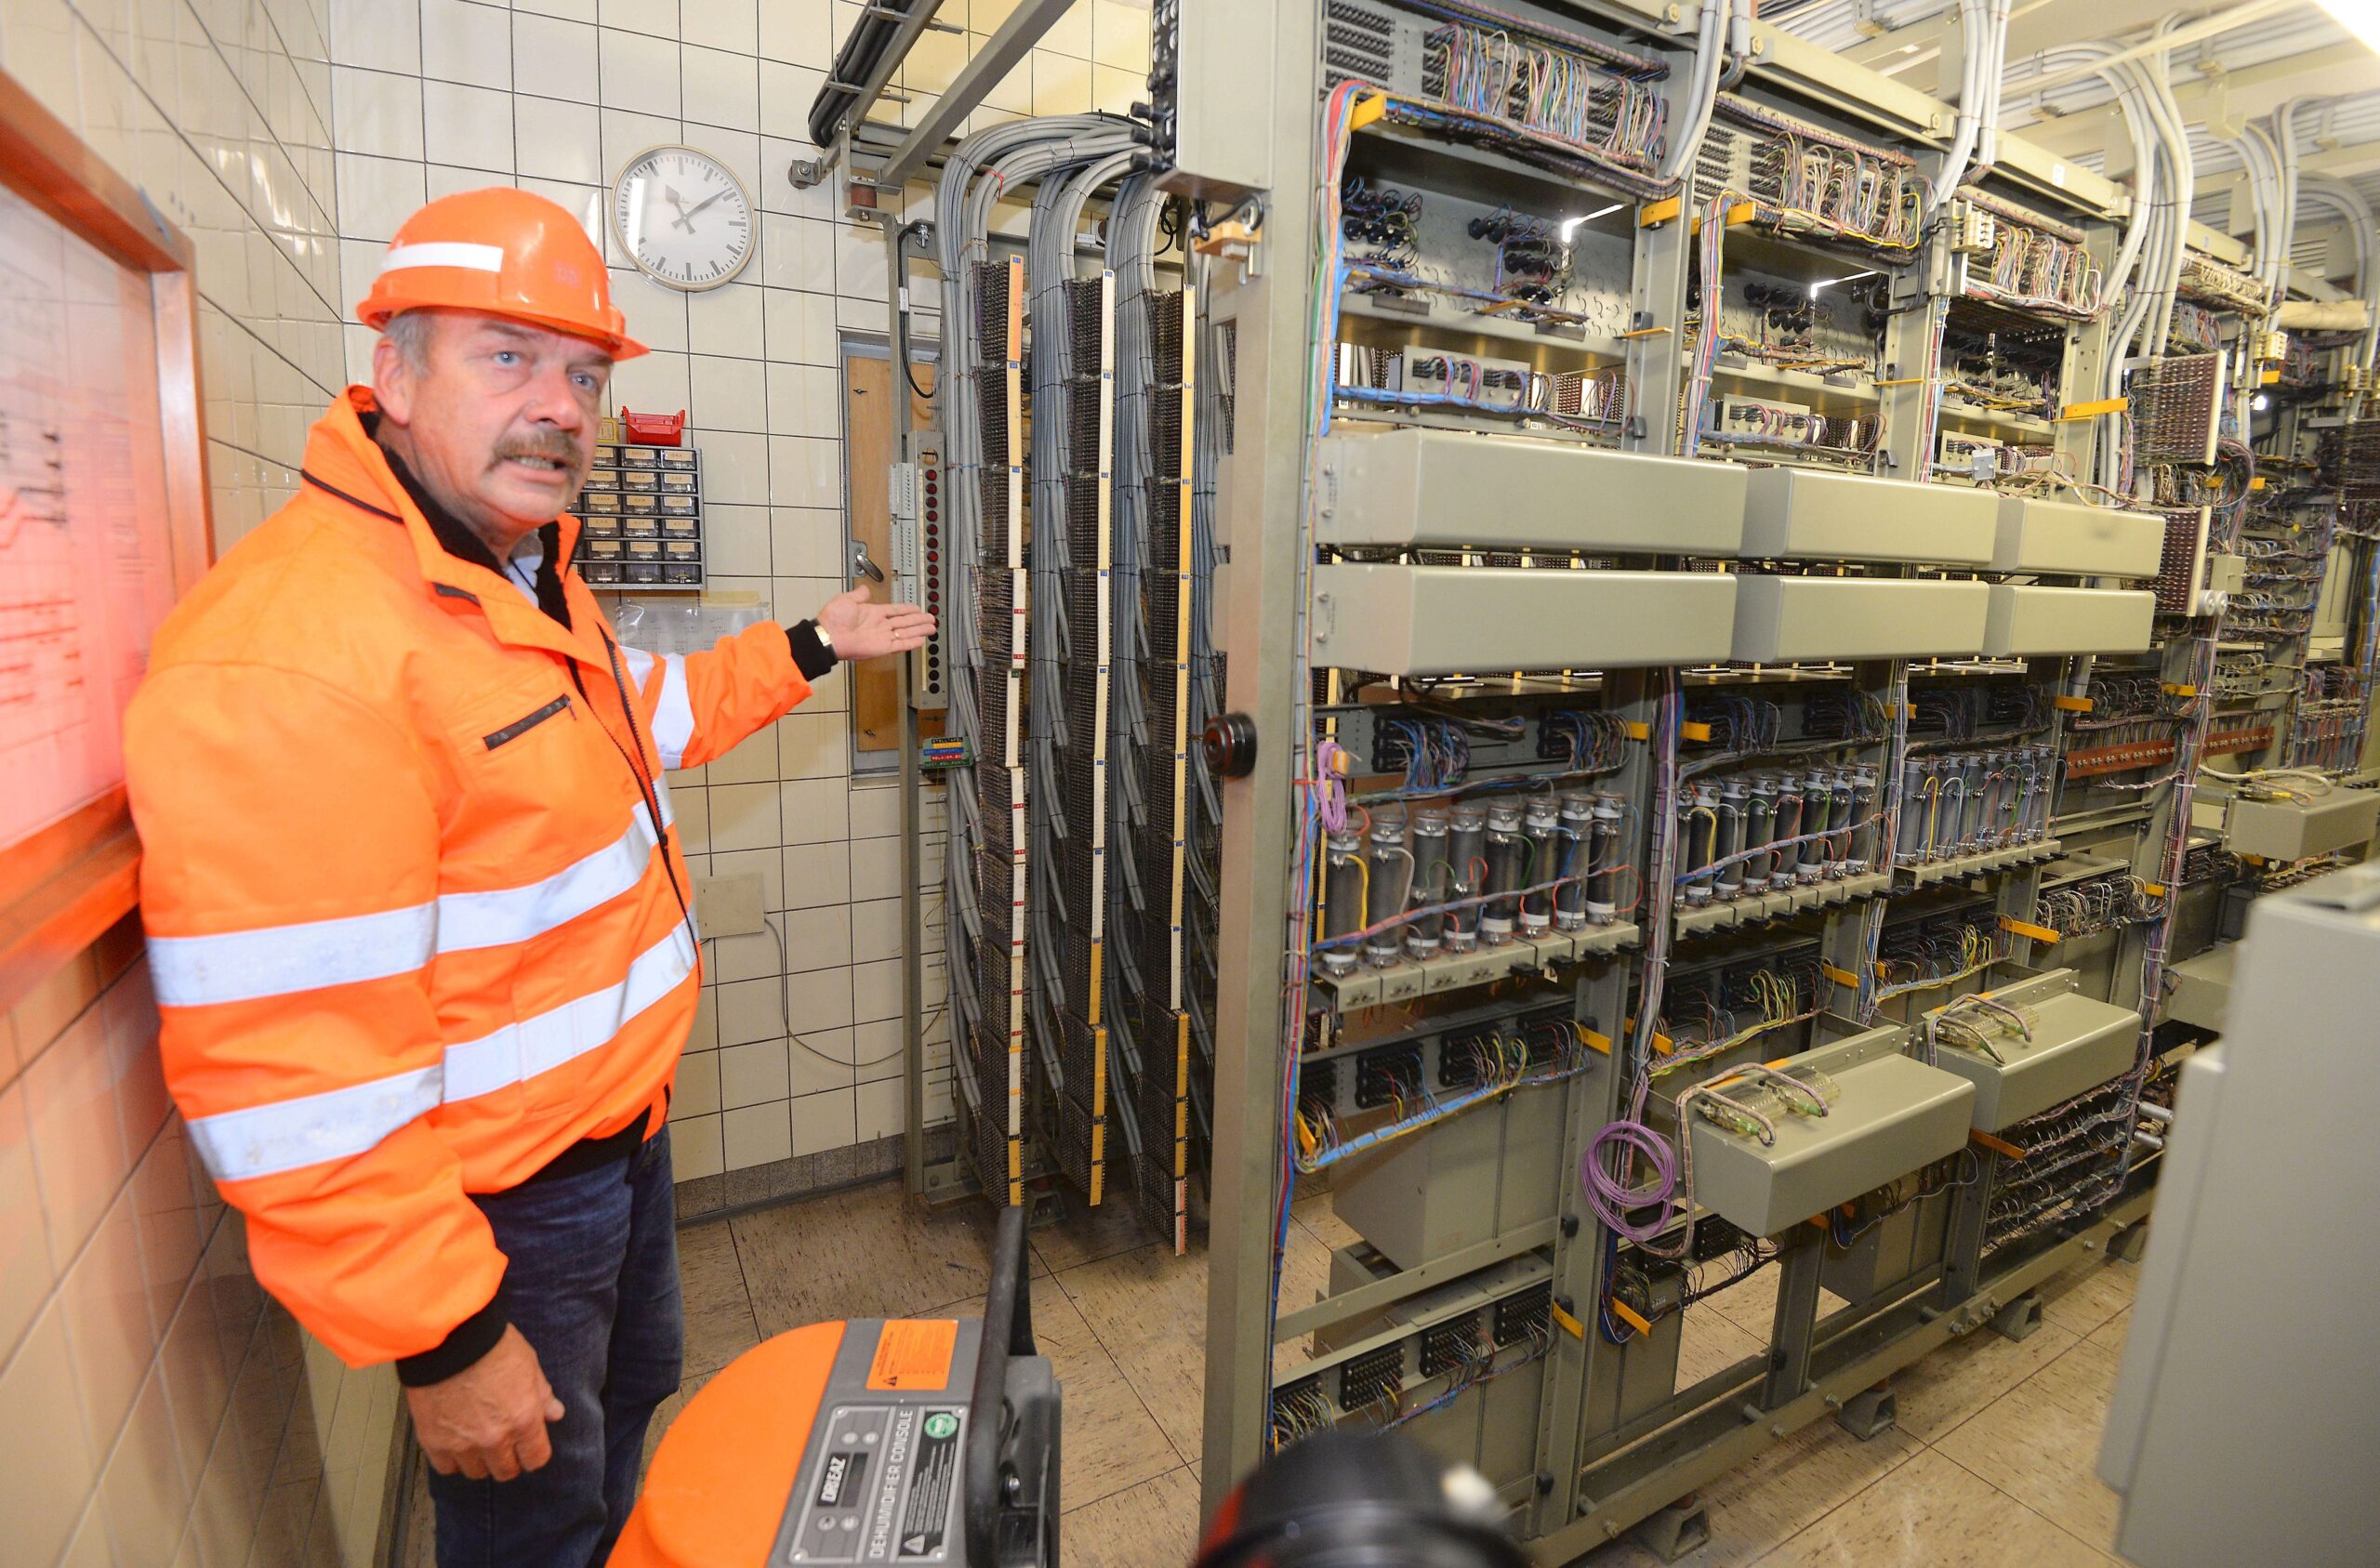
(826, 640)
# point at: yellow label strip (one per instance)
(2072, 705)
(1571, 1325)
(2026, 929)
(1620, 1310)
(2093, 410)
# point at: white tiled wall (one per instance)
(796, 1055)
(155, 1408)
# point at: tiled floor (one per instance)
(1992, 1462)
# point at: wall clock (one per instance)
(682, 216)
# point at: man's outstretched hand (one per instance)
(862, 630)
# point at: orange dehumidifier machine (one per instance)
(917, 1443)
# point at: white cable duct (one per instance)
(2150, 68)
(1996, 84)
(2348, 203)
(1983, 31)
(2284, 138)
(2260, 161)
(1702, 88)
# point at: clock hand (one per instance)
(679, 202)
(703, 202)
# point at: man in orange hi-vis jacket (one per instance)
(417, 921)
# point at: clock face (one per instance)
(684, 217)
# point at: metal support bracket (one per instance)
(2020, 1318)
(1677, 1531)
(1869, 1415)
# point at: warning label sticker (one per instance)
(925, 1518)
(913, 1354)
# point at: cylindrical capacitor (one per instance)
(1699, 839)
(1990, 831)
(1602, 855)
(1817, 816)
(1971, 819)
(1793, 811)
(1574, 843)
(1392, 873)
(1466, 855)
(1920, 811)
(1432, 872)
(1729, 882)
(1863, 820)
(1841, 814)
(1506, 852)
(1760, 826)
(1342, 895)
(1541, 827)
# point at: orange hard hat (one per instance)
(507, 251)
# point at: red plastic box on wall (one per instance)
(655, 429)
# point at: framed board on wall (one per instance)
(103, 520)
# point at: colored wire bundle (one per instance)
(2036, 270)
(1930, 957)
(1550, 1052)
(1434, 753)
(1596, 741)
(1545, 93)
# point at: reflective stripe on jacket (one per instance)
(408, 924)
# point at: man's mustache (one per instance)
(556, 446)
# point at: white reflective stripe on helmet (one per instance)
(506, 914)
(279, 960)
(292, 1133)
(520, 1051)
(445, 253)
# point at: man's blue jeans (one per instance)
(593, 1284)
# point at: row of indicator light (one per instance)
(933, 576)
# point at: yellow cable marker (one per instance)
(1571, 1325)
(1620, 1310)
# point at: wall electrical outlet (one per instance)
(727, 906)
